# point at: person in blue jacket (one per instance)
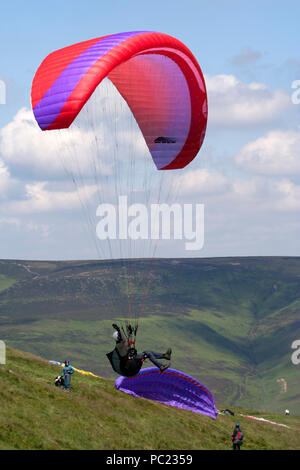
(66, 373)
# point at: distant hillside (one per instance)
(230, 321)
(96, 416)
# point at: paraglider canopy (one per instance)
(171, 387)
(161, 102)
(156, 74)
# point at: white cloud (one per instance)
(234, 103)
(39, 203)
(249, 189)
(276, 153)
(10, 188)
(40, 199)
(200, 181)
(262, 194)
(103, 135)
(5, 180)
(30, 153)
(290, 195)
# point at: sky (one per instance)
(247, 173)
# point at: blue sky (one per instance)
(215, 31)
(241, 42)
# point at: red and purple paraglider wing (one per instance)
(171, 387)
(156, 74)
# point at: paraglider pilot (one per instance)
(124, 358)
(66, 373)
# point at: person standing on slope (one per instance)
(237, 437)
(66, 373)
(124, 358)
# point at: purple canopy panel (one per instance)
(171, 387)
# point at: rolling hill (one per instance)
(37, 415)
(230, 321)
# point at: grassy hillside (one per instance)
(230, 321)
(37, 415)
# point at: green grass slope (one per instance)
(37, 415)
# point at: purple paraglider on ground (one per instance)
(171, 387)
